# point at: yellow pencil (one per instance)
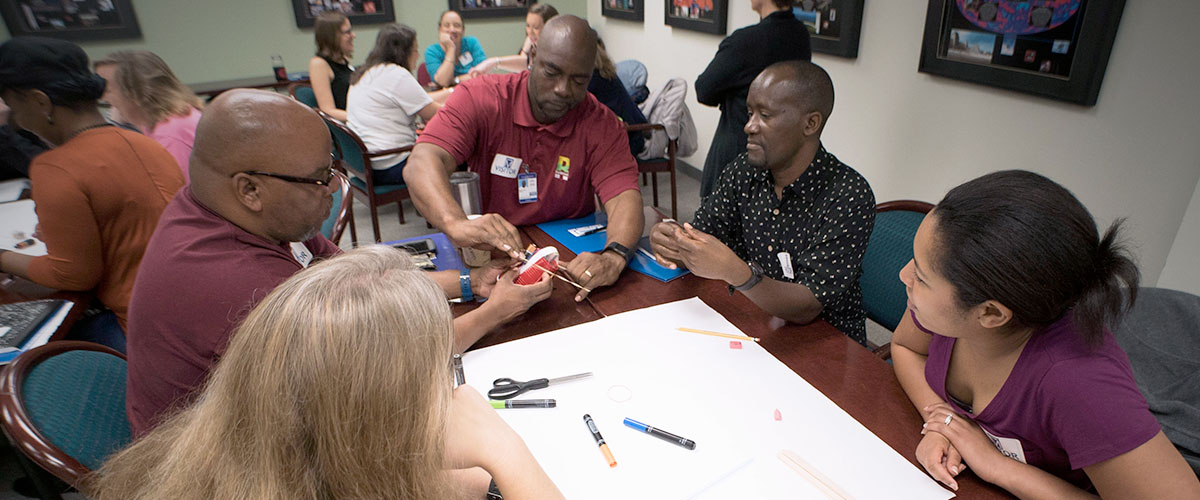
(717, 334)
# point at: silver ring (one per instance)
(949, 418)
(587, 272)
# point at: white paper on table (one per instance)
(694, 386)
(18, 220)
(12, 188)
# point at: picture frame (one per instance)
(477, 9)
(74, 20)
(629, 10)
(359, 12)
(833, 25)
(705, 16)
(1057, 49)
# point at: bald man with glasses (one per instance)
(262, 183)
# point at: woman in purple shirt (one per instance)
(1006, 352)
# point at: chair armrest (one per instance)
(385, 152)
(641, 127)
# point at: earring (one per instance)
(49, 119)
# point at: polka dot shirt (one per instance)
(821, 226)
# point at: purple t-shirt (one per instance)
(200, 276)
(1064, 406)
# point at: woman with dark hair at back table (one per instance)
(1006, 352)
(329, 71)
(385, 100)
(726, 81)
(609, 90)
(99, 191)
(450, 59)
(336, 386)
(536, 18)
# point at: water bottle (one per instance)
(277, 66)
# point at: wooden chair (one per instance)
(355, 159)
(888, 251)
(303, 92)
(63, 406)
(653, 166)
(342, 214)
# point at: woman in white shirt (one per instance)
(385, 100)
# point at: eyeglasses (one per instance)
(327, 181)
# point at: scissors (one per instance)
(506, 388)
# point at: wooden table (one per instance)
(19, 290)
(212, 89)
(847, 373)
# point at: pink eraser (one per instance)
(778, 416)
(735, 344)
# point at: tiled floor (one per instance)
(687, 188)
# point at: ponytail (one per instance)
(1102, 303)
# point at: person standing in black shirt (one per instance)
(741, 57)
(788, 223)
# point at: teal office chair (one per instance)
(341, 215)
(63, 406)
(303, 92)
(355, 160)
(888, 251)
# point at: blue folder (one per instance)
(559, 230)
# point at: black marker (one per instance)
(459, 377)
(661, 434)
(587, 419)
(524, 403)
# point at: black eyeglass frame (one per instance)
(328, 181)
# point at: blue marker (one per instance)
(661, 434)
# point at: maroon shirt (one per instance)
(583, 154)
(1064, 406)
(199, 278)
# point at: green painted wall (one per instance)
(225, 39)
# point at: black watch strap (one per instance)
(756, 275)
(621, 250)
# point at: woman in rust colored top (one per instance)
(99, 191)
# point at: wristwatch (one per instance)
(756, 275)
(464, 283)
(621, 250)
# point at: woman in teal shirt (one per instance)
(465, 51)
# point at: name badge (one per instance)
(527, 187)
(465, 58)
(301, 254)
(506, 166)
(1010, 447)
(785, 263)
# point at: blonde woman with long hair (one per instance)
(337, 385)
(146, 94)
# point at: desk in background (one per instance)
(212, 89)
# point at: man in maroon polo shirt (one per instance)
(543, 147)
(261, 184)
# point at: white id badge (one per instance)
(506, 166)
(527, 187)
(465, 58)
(301, 254)
(785, 263)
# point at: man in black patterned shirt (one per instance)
(787, 224)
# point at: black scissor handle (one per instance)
(506, 388)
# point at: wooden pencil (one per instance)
(717, 334)
(814, 476)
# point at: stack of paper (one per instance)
(700, 388)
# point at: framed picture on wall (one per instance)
(706, 16)
(1051, 48)
(358, 11)
(631, 10)
(833, 25)
(75, 20)
(491, 8)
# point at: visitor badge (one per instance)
(465, 58)
(301, 254)
(506, 166)
(527, 187)
(785, 263)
